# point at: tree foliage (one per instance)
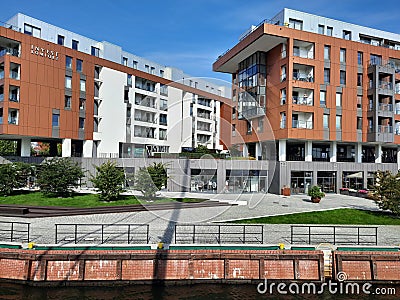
(8, 147)
(234, 151)
(109, 180)
(202, 149)
(386, 191)
(58, 176)
(151, 179)
(13, 176)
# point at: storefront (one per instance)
(203, 180)
(241, 181)
(326, 180)
(300, 181)
(353, 180)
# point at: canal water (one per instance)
(143, 292)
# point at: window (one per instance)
(359, 123)
(283, 96)
(359, 79)
(163, 119)
(338, 122)
(283, 73)
(134, 64)
(325, 121)
(152, 70)
(162, 75)
(147, 68)
(162, 134)
(60, 40)
(343, 77)
(32, 30)
(81, 123)
(343, 55)
(125, 61)
(75, 44)
(95, 51)
(347, 35)
(233, 113)
(248, 126)
(359, 101)
(329, 31)
(322, 98)
(360, 58)
(68, 82)
(129, 80)
(338, 99)
(327, 52)
(296, 24)
(375, 59)
(321, 29)
(67, 101)
(79, 64)
(283, 120)
(233, 129)
(296, 51)
(163, 104)
(283, 51)
(55, 121)
(82, 103)
(260, 127)
(82, 85)
(327, 75)
(68, 62)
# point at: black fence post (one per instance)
(76, 233)
(309, 235)
(334, 235)
(56, 234)
(148, 233)
(28, 231)
(12, 231)
(194, 234)
(129, 233)
(102, 233)
(244, 234)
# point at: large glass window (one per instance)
(338, 122)
(95, 51)
(300, 181)
(60, 40)
(55, 120)
(343, 77)
(75, 44)
(327, 52)
(296, 24)
(68, 82)
(203, 180)
(327, 75)
(82, 85)
(68, 62)
(353, 180)
(338, 100)
(326, 181)
(343, 55)
(322, 98)
(242, 181)
(79, 65)
(325, 121)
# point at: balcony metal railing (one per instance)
(204, 103)
(302, 100)
(9, 51)
(385, 129)
(302, 124)
(304, 53)
(145, 104)
(13, 98)
(385, 107)
(204, 116)
(14, 75)
(385, 85)
(139, 118)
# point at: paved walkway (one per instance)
(250, 206)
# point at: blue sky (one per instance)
(189, 34)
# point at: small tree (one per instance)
(8, 147)
(144, 183)
(109, 181)
(13, 176)
(58, 176)
(158, 174)
(386, 191)
(202, 149)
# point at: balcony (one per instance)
(386, 85)
(14, 75)
(302, 100)
(303, 76)
(1, 74)
(9, 51)
(302, 124)
(252, 113)
(1, 97)
(303, 49)
(385, 107)
(13, 97)
(385, 129)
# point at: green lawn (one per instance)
(343, 216)
(82, 200)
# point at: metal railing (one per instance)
(385, 129)
(14, 231)
(102, 233)
(385, 107)
(309, 234)
(303, 77)
(385, 85)
(302, 124)
(302, 100)
(220, 234)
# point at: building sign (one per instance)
(39, 51)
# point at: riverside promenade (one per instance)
(162, 222)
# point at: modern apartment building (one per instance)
(330, 91)
(97, 100)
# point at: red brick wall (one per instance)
(137, 269)
(388, 270)
(12, 269)
(279, 269)
(357, 270)
(208, 269)
(101, 270)
(243, 269)
(62, 270)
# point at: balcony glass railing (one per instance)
(14, 75)
(144, 119)
(302, 124)
(1, 97)
(385, 107)
(1, 75)
(13, 98)
(9, 51)
(302, 100)
(385, 129)
(385, 85)
(303, 77)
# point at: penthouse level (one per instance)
(329, 91)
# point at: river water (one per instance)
(143, 292)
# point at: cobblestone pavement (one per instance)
(249, 206)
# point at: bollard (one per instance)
(281, 246)
(31, 245)
(160, 245)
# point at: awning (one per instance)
(355, 175)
